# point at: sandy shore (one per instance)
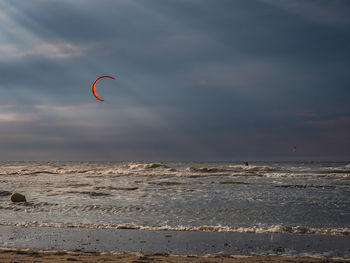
(8, 255)
(51, 244)
(174, 242)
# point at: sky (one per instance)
(196, 80)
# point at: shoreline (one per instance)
(174, 242)
(8, 255)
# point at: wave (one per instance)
(175, 169)
(90, 193)
(35, 207)
(309, 174)
(48, 171)
(115, 188)
(205, 169)
(265, 168)
(92, 169)
(5, 193)
(232, 182)
(335, 171)
(166, 183)
(282, 229)
(147, 166)
(305, 186)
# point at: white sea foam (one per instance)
(161, 169)
(283, 229)
(205, 169)
(146, 166)
(253, 167)
(201, 194)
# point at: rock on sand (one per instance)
(17, 197)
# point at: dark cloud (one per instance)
(195, 80)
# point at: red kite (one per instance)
(94, 86)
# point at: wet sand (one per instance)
(174, 242)
(8, 255)
(55, 244)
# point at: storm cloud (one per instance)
(195, 80)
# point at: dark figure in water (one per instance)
(246, 163)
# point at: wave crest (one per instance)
(205, 169)
(283, 229)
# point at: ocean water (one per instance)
(302, 198)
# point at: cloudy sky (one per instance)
(195, 80)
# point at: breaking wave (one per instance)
(147, 166)
(175, 169)
(306, 186)
(205, 169)
(265, 168)
(282, 229)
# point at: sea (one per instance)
(302, 198)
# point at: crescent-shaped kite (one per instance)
(93, 88)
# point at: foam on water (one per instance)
(205, 228)
(176, 169)
(293, 198)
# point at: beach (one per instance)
(178, 242)
(52, 244)
(31, 255)
(175, 212)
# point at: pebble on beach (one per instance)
(17, 197)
